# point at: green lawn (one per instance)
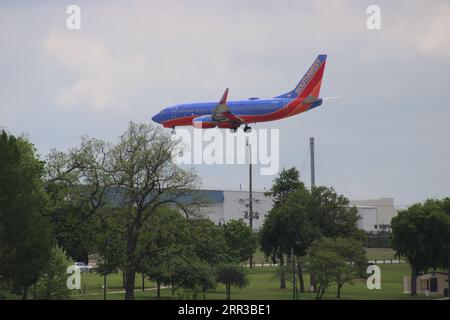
(380, 253)
(92, 286)
(263, 285)
(372, 253)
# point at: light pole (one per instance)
(250, 194)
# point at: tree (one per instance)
(287, 182)
(420, 234)
(53, 284)
(339, 260)
(25, 234)
(303, 216)
(195, 277)
(207, 241)
(164, 245)
(137, 175)
(231, 275)
(355, 261)
(74, 229)
(321, 260)
(284, 184)
(333, 215)
(241, 241)
(288, 230)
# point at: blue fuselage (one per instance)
(252, 110)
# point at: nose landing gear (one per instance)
(173, 131)
(247, 128)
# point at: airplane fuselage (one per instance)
(251, 111)
(233, 114)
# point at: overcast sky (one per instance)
(389, 136)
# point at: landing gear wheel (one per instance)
(233, 130)
(247, 129)
(173, 131)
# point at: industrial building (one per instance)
(375, 214)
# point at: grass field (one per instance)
(372, 254)
(263, 284)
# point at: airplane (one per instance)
(233, 114)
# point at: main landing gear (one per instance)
(173, 131)
(246, 129)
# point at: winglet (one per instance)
(224, 97)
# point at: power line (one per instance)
(303, 170)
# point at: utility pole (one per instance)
(313, 277)
(250, 196)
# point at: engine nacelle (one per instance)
(203, 122)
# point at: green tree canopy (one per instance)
(241, 241)
(194, 276)
(339, 261)
(284, 184)
(25, 234)
(52, 285)
(207, 241)
(164, 245)
(140, 173)
(421, 235)
(231, 275)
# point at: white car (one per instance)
(83, 267)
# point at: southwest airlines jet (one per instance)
(233, 114)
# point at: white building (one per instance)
(375, 214)
(233, 205)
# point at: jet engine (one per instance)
(203, 122)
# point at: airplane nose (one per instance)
(156, 118)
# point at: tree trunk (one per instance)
(318, 297)
(173, 285)
(313, 282)
(282, 273)
(131, 265)
(413, 281)
(34, 291)
(25, 293)
(158, 289)
(130, 276)
(339, 291)
(322, 292)
(300, 277)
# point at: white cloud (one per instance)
(421, 32)
(102, 79)
(435, 39)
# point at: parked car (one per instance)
(83, 267)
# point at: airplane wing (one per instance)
(222, 112)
